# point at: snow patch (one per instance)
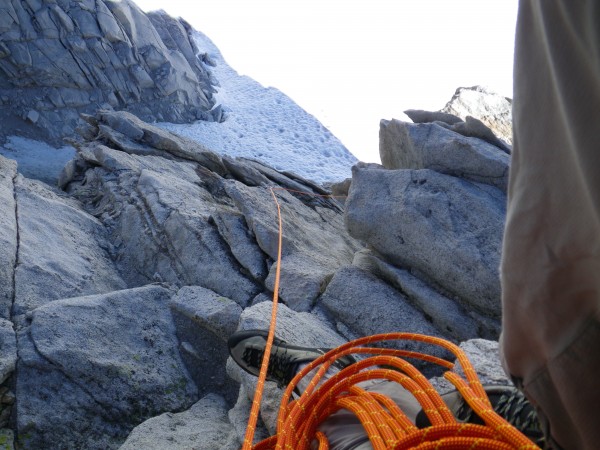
(36, 159)
(266, 125)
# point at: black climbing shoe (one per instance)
(507, 401)
(247, 348)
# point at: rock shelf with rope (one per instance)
(386, 426)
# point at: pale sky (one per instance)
(351, 63)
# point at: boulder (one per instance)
(470, 126)
(92, 368)
(154, 139)
(204, 426)
(341, 189)
(473, 127)
(8, 235)
(299, 328)
(404, 145)
(494, 110)
(446, 229)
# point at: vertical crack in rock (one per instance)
(14, 273)
(10, 382)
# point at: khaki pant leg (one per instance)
(551, 256)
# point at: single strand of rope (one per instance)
(254, 412)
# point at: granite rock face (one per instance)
(120, 288)
(367, 305)
(62, 252)
(190, 217)
(204, 321)
(58, 59)
(445, 228)
(8, 235)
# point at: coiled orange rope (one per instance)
(386, 426)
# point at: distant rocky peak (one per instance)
(59, 59)
(493, 109)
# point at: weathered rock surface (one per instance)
(445, 313)
(485, 359)
(107, 362)
(63, 251)
(494, 110)
(58, 59)
(305, 268)
(446, 229)
(473, 127)
(421, 116)
(366, 305)
(205, 426)
(101, 348)
(470, 127)
(430, 146)
(159, 216)
(8, 349)
(190, 218)
(204, 321)
(8, 235)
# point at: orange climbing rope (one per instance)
(386, 426)
(260, 386)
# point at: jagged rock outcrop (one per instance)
(186, 224)
(130, 277)
(143, 206)
(470, 127)
(61, 58)
(494, 110)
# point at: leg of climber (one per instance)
(551, 257)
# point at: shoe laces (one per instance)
(282, 366)
(511, 406)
